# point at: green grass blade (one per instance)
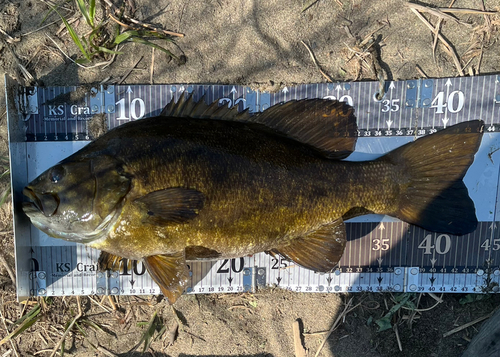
(73, 35)
(92, 11)
(124, 36)
(5, 173)
(4, 196)
(24, 322)
(79, 328)
(50, 12)
(384, 323)
(85, 12)
(92, 324)
(82, 61)
(146, 42)
(147, 336)
(107, 50)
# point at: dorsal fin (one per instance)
(186, 107)
(327, 125)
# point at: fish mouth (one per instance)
(46, 203)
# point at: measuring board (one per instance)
(382, 254)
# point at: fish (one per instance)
(203, 181)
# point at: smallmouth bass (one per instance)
(206, 182)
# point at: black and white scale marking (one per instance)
(381, 255)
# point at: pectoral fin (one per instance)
(320, 250)
(169, 272)
(172, 205)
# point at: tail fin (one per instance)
(433, 195)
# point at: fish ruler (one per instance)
(382, 254)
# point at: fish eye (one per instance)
(56, 174)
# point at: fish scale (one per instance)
(383, 254)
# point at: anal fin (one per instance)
(169, 272)
(108, 261)
(320, 250)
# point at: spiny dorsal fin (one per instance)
(186, 107)
(320, 250)
(327, 125)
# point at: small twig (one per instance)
(307, 6)
(480, 58)
(152, 66)
(297, 340)
(314, 333)
(468, 324)
(193, 335)
(7, 267)
(445, 42)
(422, 73)
(75, 319)
(111, 300)
(316, 62)
(130, 71)
(9, 39)
(467, 65)
(468, 11)
(172, 334)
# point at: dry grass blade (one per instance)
(115, 10)
(105, 352)
(434, 44)
(152, 66)
(434, 11)
(10, 340)
(316, 62)
(7, 267)
(396, 331)
(468, 324)
(347, 309)
(130, 71)
(450, 49)
(468, 11)
(68, 329)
